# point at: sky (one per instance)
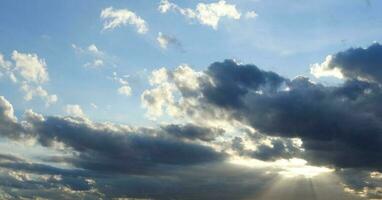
(176, 99)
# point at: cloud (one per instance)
(324, 69)
(75, 110)
(114, 18)
(9, 125)
(93, 52)
(206, 14)
(354, 63)
(7, 112)
(30, 73)
(339, 126)
(155, 100)
(112, 148)
(31, 91)
(30, 67)
(95, 63)
(105, 160)
(93, 105)
(93, 49)
(166, 40)
(125, 90)
(251, 14)
(270, 149)
(4, 63)
(228, 111)
(192, 132)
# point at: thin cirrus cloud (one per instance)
(114, 18)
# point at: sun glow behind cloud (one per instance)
(288, 168)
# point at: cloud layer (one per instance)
(228, 107)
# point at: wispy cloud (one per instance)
(114, 18)
(207, 14)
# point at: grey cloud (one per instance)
(101, 148)
(360, 62)
(192, 132)
(232, 81)
(331, 121)
(278, 149)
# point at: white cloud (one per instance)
(31, 91)
(114, 18)
(165, 6)
(165, 40)
(157, 99)
(158, 76)
(324, 69)
(251, 14)
(4, 64)
(93, 105)
(95, 63)
(125, 90)
(97, 56)
(31, 68)
(74, 110)
(207, 14)
(93, 49)
(7, 110)
(29, 72)
(164, 96)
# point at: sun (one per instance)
(288, 168)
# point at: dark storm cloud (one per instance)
(332, 121)
(19, 174)
(231, 82)
(209, 181)
(360, 62)
(278, 149)
(105, 149)
(192, 132)
(362, 182)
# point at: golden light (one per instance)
(288, 168)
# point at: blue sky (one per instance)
(100, 59)
(285, 37)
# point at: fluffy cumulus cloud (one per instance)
(29, 72)
(31, 68)
(114, 18)
(339, 126)
(74, 110)
(207, 14)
